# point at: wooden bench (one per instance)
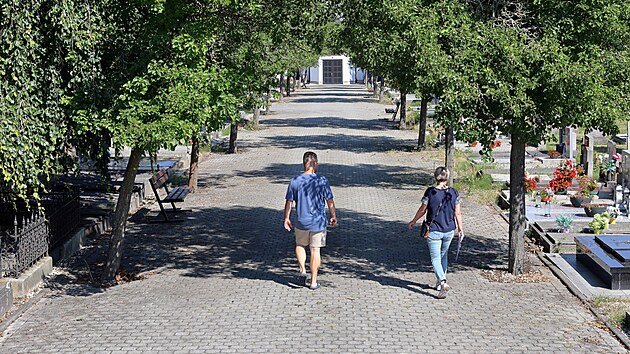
(393, 110)
(176, 195)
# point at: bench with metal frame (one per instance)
(176, 195)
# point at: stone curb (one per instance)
(21, 309)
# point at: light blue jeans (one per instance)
(439, 242)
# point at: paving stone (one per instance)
(221, 282)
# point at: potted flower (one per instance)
(495, 144)
(593, 208)
(599, 223)
(563, 177)
(587, 184)
(581, 198)
(530, 185)
(546, 195)
(564, 223)
(553, 154)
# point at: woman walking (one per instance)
(442, 206)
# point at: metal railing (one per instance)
(23, 246)
(27, 233)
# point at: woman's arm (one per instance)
(458, 219)
(419, 214)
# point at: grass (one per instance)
(614, 308)
(177, 179)
(472, 183)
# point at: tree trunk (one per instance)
(120, 217)
(375, 85)
(281, 86)
(381, 91)
(193, 172)
(268, 102)
(288, 86)
(422, 129)
(518, 223)
(256, 115)
(450, 154)
(295, 79)
(233, 133)
(403, 110)
(366, 80)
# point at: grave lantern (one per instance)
(618, 195)
(547, 208)
(626, 200)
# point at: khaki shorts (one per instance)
(308, 238)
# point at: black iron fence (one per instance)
(29, 232)
(23, 246)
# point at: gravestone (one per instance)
(569, 136)
(586, 157)
(611, 148)
(608, 256)
(625, 167)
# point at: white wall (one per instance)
(317, 74)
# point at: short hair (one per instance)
(441, 174)
(308, 158)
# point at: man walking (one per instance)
(310, 193)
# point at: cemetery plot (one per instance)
(607, 257)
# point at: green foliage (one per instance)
(46, 50)
(564, 221)
(600, 221)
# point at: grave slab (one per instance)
(611, 270)
(582, 278)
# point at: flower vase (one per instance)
(547, 209)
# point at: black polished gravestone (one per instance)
(608, 256)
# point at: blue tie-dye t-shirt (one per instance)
(310, 193)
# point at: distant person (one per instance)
(310, 192)
(442, 206)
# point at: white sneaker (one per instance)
(443, 290)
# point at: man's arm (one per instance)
(287, 214)
(333, 212)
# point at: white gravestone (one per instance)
(569, 137)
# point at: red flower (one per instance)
(530, 184)
(563, 176)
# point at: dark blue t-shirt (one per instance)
(310, 192)
(445, 220)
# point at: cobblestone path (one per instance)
(222, 280)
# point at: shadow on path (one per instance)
(361, 175)
(343, 142)
(250, 243)
(330, 122)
